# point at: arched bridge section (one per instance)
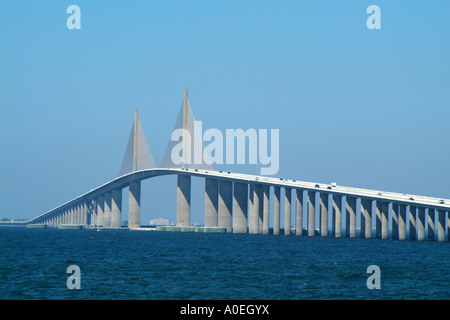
(241, 204)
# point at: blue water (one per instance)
(123, 264)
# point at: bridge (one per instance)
(240, 203)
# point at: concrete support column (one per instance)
(240, 203)
(276, 210)
(395, 221)
(225, 204)
(298, 212)
(93, 213)
(184, 201)
(441, 225)
(254, 209)
(100, 209)
(134, 204)
(378, 210)
(71, 214)
(211, 202)
(287, 210)
(382, 220)
(421, 224)
(324, 214)
(75, 214)
(116, 208)
(350, 221)
(366, 219)
(85, 212)
(412, 222)
(79, 213)
(311, 213)
(448, 225)
(266, 196)
(107, 213)
(402, 222)
(337, 215)
(430, 221)
(260, 209)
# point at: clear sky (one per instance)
(364, 108)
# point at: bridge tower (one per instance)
(137, 157)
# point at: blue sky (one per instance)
(365, 108)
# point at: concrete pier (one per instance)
(260, 191)
(448, 225)
(225, 205)
(287, 210)
(116, 208)
(266, 196)
(381, 226)
(430, 224)
(276, 210)
(184, 201)
(100, 209)
(384, 220)
(421, 224)
(441, 225)
(240, 204)
(298, 212)
(350, 221)
(134, 205)
(378, 210)
(93, 212)
(366, 219)
(83, 213)
(211, 202)
(70, 215)
(107, 213)
(311, 213)
(412, 222)
(77, 215)
(73, 214)
(324, 214)
(86, 212)
(337, 216)
(253, 210)
(402, 222)
(395, 221)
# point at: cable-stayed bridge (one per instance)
(240, 203)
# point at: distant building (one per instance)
(159, 222)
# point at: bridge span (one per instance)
(241, 203)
